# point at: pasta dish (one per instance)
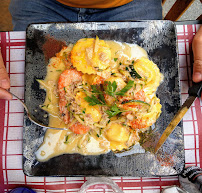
(103, 92)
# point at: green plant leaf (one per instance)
(133, 72)
(93, 100)
(114, 110)
(126, 88)
(110, 87)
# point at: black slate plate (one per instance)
(158, 38)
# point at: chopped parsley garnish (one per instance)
(97, 98)
(115, 59)
(93, 100)
(114, 110)
(110, 88)
(96, 89)
(126, 88)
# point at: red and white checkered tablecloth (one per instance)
(12, 46)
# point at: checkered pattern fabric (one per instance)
(12, 46)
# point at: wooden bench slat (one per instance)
(178, 8)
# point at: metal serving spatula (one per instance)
(194, 92)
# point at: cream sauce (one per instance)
(130, 51)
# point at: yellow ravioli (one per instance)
(91, 55)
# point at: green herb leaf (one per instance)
(65, 89)
(115, 59)
(110, 88)
(67, 105)
(58, 70)
(93, 100)
(135, 101)
(96, 89)
(126, 88)
(133, 72)
(88, 138)
(102, 98)
(114, 110)
(66, 140)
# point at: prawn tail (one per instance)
(78, 128)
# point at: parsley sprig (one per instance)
(93, 100)
(113, 111)
(126, 88)
(110, 88)
(97, 98)
(97, 90)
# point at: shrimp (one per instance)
(78, 128)
(67, 78)
(140, 95)
(138, 124)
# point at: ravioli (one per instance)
(91, 55)
(150, 72)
